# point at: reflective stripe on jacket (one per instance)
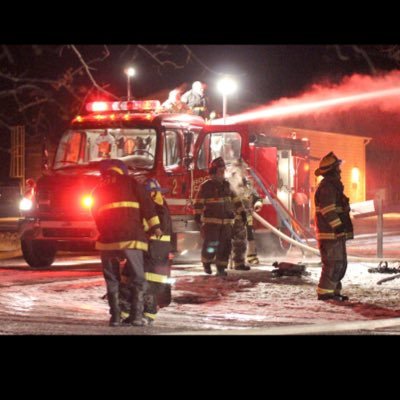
(119, 206)
(332, 210)
(217, 202)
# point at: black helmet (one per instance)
(215, 164)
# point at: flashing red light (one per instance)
(134, 105)
(98, 106)
(137, 105)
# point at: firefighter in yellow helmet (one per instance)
(157, 266)
(215, 207)
(333, 228)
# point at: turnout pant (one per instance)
(251, 243)
(334, 265)
(127, 288)
(239, 242)
(217, 244)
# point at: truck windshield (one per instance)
(136, 147)
(219, 144)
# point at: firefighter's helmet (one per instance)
(113, 166)
(152, 185)
(327, 163)
(215, 164)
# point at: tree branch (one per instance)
(156, 57)
(364, 54)
(89, 74)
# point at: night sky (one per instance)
(264, 73)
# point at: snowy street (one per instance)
(67, 299)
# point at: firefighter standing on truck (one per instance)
(196, 99)
(215, 207)
(334, 227)
(119, 205)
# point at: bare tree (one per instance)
(44, 86)
(376, 57)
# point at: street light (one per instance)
(129, 73)
(226, 86)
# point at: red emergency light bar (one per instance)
(134, 105)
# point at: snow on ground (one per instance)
(258, 298)
(244, 299)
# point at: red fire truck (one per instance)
(176, 149)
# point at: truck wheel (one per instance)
(38, 254)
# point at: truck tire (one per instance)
(38, 254)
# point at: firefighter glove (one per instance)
(339, 229)
(158, 232)
(197, 218)
(257, 206)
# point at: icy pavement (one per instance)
(67, 300)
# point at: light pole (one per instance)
(226, 86)
(129, 73)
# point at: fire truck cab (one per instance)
(176, 149)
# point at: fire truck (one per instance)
(176, 149)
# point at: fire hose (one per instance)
(312, 249)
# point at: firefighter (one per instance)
(252, 202)
(243, 233)
(196, 99)
(119, 205)
(333, 226)
(157, 267)
(174, 104)
(215, 207)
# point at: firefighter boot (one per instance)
(242, 267)
(221, 271)
(150, 307)
(137, 306)
(332, 296)
(252, 258)
(113, 301)
(207, 268)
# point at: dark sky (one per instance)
(263, 72)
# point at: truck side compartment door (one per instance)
(175, 176)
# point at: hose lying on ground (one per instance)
(312, 249)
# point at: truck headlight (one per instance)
(87, 201)
(25, 204)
